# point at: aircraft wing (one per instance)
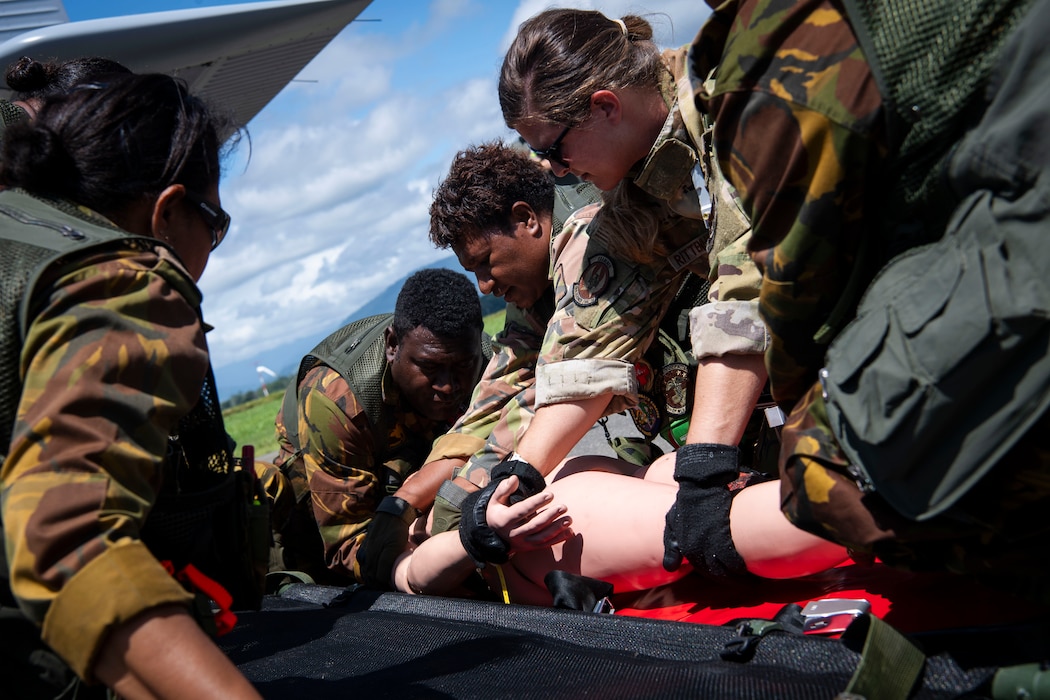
(236, 56)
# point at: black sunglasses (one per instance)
(214, 216)
(553, 152)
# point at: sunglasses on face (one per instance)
(214, 216)
(553, 152)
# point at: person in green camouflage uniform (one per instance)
(803, 139)
(103, 354)
(343, 459)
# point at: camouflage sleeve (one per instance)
(506, 384)
(730, 322)
(606, 315)
(114, 356)
(796, 145)
(285, 449)
(338, 446)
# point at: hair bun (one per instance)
(27, 75)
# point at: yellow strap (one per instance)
(503, 584)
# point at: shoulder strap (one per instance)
(355, 351)
(889, 664)
(34, 236)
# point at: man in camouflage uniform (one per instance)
(579, 317)
(343, 454)
(801, 132)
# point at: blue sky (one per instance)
(332, 207)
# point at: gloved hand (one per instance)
(386, 539)
(481, 541)
(672, 555)
(697, 525)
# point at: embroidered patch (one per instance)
(594, 281)
(675, 380)
(646, 416)
(643, 372)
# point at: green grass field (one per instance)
(494, 322)
(251, 423)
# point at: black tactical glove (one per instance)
(386, 539)
(481, 541)
(672, 554)
(697, 525)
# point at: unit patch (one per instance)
(594, 281)
(646, 416)
(675, 380)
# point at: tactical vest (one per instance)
(931, 60)
(570, 198)
(201, 515)
(357, 352)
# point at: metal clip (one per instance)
(832, 615)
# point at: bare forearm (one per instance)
(727, 389)
(421, 488)
(163, 653)
(436, 567)
(556, 428)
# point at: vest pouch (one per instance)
(946, 364)
(217, 530)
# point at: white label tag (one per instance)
(775, 417)
(700, 185)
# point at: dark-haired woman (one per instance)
(32, 81)
(106, 224)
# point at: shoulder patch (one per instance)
(594, 281)
(675, 380)
(646, 416)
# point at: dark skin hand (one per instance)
(388, 534)
(421, 488)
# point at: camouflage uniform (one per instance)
(681, 159)
(347, 465)
(114, 356)
(801, 135)
(604, 315)
(804, 134)
(803, 142)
